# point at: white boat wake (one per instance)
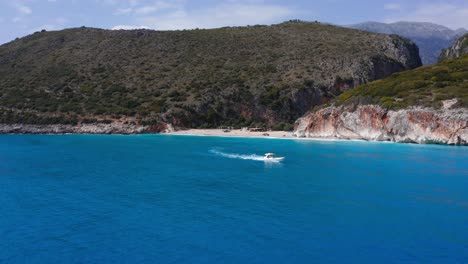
(242, 156)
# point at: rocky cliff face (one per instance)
(458, 49)
(372, 122)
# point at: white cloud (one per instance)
(392, 6)
(147, 9)
(123, 11)
(133, 2)
(445, 14)
(108, 2)
(231, 13)
(23, 9)
(61, 20)
(135, 7)
(128, 27)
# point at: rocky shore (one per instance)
(372, 122)
(98, 128)
(363, 122)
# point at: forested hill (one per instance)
(194, 78)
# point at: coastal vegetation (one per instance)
(426, 86)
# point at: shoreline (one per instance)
(112, 129)
(237, 133)
(126, 130)
(232, 133)
(285, 135)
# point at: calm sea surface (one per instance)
(184, 199)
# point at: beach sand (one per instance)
(248, 134)
(234, 133)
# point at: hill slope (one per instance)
(230, 76)
(430, 38)
(426, 86)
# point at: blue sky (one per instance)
(22, 17)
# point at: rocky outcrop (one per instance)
(372, 122)
(112, 128)
(458, 49)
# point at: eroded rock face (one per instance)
(458, 49)
(372, 122)
(112, 128)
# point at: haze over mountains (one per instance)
(430, 38)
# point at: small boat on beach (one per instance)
(271, 157)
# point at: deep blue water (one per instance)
(183, 199)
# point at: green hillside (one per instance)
(425, 86)
(194, 78)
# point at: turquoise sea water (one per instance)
(184, 199)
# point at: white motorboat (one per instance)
(272, 157)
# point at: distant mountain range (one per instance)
(431, 38)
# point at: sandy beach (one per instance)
(234, 133)
(249, 134)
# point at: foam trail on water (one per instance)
(237, 156)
